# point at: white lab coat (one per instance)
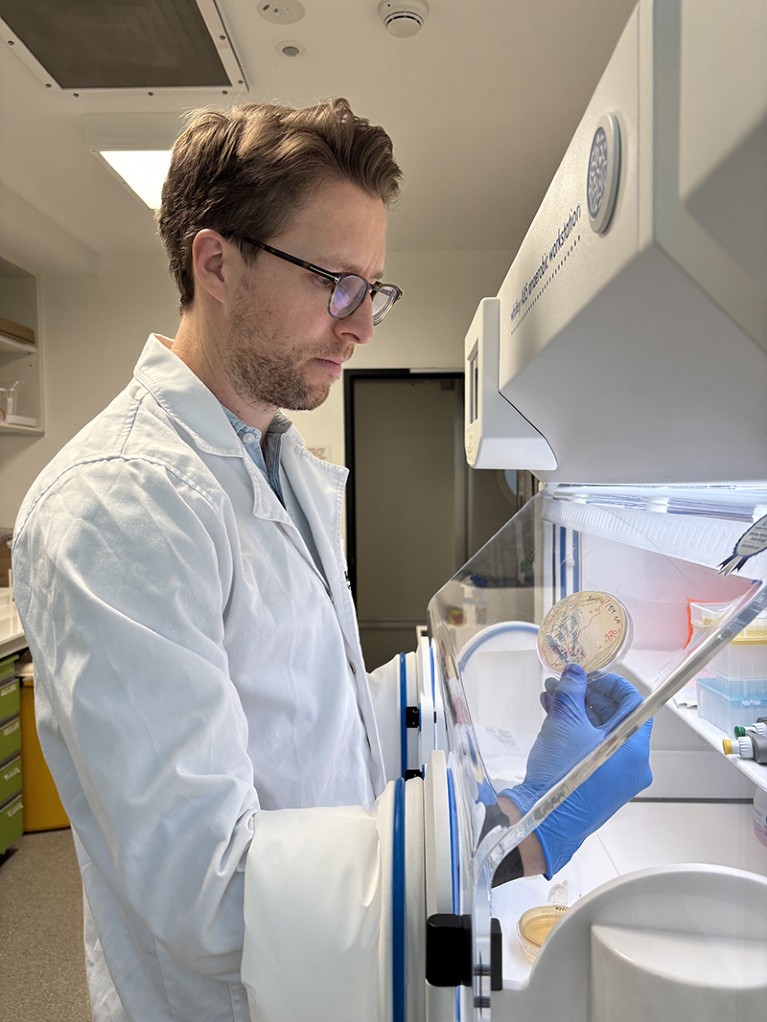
(192, 667)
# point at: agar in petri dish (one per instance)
(592, 629)
(535, 925)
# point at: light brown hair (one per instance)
(249, 169)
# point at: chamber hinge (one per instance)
(449, 952)
(412, 716)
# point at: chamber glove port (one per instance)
(580, 712)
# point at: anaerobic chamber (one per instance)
(624, 362)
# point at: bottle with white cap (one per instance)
(759, 728)
(748, 746)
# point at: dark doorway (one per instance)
(415, 510)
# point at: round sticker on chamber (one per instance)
(592, 629)
(603, 172)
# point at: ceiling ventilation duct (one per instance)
(81, 45)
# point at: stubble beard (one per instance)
(259, 376)
(276, 382)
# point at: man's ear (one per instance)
(211, 264)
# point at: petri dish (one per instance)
(535, 925)
(592, 629)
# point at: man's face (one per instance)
(283, 349)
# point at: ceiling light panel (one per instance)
(136, 147)
(143, 172)
(81, 45)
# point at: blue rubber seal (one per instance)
(399, 1005)
(403, 713)
(454, 848)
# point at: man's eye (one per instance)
(323, 281)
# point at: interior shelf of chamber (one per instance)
(646, 668)
(755, 772)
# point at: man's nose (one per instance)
(359, 326)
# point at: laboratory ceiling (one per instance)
(481, 104)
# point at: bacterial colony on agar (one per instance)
(591, 629)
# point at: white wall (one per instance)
(93, 327)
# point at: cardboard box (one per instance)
(5, 563)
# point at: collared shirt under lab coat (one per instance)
(192, 667)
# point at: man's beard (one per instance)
(258, 374)
(269, 380)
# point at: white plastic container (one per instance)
(732, 691)
(728, 704)
(745, 656)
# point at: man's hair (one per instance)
(249, 169)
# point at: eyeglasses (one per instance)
(349, 289)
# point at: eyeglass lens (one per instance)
(382, 302)
(350, 291)
(347, 295)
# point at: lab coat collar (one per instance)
(198, 412)
(185, 398)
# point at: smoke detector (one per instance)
(403, 19)
(286, 13)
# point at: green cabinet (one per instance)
(11, 822)
(11, 815)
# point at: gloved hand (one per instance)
(579, 714)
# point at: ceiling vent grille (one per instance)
(134, 44)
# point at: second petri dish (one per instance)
(535, 925)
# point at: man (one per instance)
(179, 566)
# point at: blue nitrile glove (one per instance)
(579, 714)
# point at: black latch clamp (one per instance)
(448, 951)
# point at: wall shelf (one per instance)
(16, 430)
(19, 349)
(11, 344)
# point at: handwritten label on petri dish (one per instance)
(592, 629)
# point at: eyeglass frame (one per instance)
(371, 289)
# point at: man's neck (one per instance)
(197, 345)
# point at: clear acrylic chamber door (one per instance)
(653, 552)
